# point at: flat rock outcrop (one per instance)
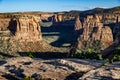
(56, 69)
(110, 72)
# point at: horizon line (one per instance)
(57, 11)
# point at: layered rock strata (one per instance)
(95, 31)
(78, 24)
(26, 28)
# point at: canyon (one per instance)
(48, 39)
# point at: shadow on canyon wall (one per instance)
(63, 30)
(12, 26)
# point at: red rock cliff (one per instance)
(95, 31)
(28, 28)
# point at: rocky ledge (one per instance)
(19, 68)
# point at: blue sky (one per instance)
(54, 5)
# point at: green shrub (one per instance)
(94, 54)
(88, 54)
(30, 54)
(28, 78)
(116, 54)
(92, 49)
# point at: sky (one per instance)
(54, 5)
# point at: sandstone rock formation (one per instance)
(26, 28)
(22, 27)
(57, 18)
(22, 33)
(110, 18)
(46, 16)
(78, 24)
(4, 23)
(108, 52)
(60, 17)
(95, 31)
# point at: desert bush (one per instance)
(28, 78)
(91, 50)
(87, 54)
(95, 45)
(116, 54)
(30, 54)
(93, 54)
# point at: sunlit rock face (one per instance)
(94, 31)
(57, 17)
(4, 23)
(26, 28)
(78, 24)
(110, 18)
(46, 16)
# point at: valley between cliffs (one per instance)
(52, 39)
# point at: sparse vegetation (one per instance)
(116, 54)
(91, 50)
(88, 54)
(30, 54)
(28, 78)
(92, 54)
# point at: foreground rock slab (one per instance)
(20, 68)
(110, 72)
(55, 69)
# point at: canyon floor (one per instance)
(55, 44)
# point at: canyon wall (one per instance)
(78, 24)
(4, 23)
(94, 32)
(28, 28)
(108, 18)
(25, 27)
